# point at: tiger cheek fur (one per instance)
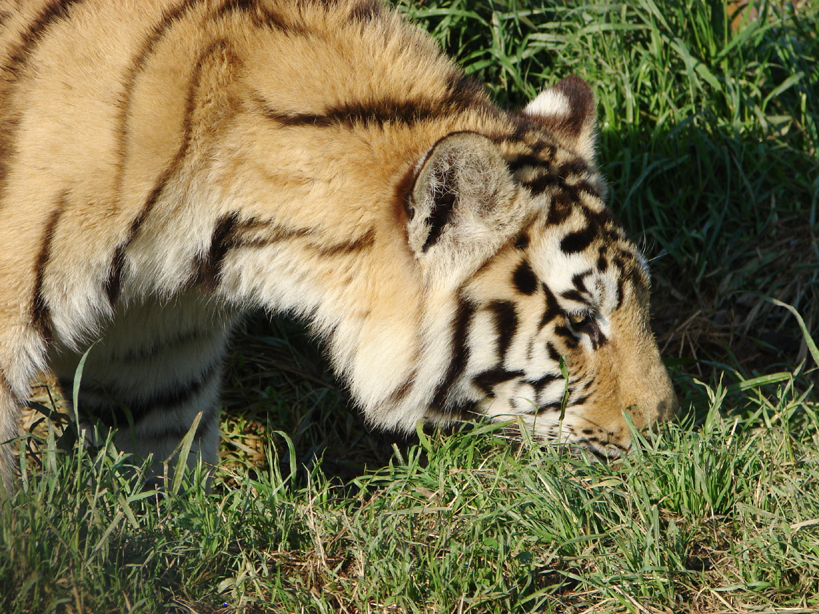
(609, 352)
(167, 166)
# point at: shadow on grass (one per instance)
(725, 219)
(280, 380)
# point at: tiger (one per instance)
(168, 166)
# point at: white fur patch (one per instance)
(550, 103)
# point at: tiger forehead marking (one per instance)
(167, 165)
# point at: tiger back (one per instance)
(167, 165)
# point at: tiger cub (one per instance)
(166, 165)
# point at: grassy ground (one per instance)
(709, 135)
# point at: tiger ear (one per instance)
(461, 202)
(567, 111)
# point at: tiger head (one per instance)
(551, 317)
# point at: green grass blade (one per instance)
(184, 450)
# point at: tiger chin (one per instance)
(167, 166)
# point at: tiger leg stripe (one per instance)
(169, 166)
(217, 47)
(14, 67)
(110, 404)
(39, 308)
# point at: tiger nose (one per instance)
(650, 398)
(668, 407)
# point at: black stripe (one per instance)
(579, 401)
(541, 183)
(589, 446)
(260, 16)
(137, 67)
(598, 339)
(54, 12)
(577, 280)
(561, 207)
(40, 313)
(524, 279)
(458, 350)
(540, 145)
(579, 240)
(228, 235)
(366, 11)
(602, 263)
(618, 263)
(566, 197)
(261, 233)
(620, 293)
(568, 336)
(402, 390)
(552, 307)
(549, 407)
(377, 112)
(443, 209)
(585, 186)
(522, 240)
(487, 380)
(249, 7)
(154, 348)
(176, 162)
(380, 113)
(604, 220)
(540, 383)
(365, 241)
(173, 396)
(576, 166)
(517, 163)
(552, 352)
(573, 295)
(506, 325)
(598, 447)
(209, 268)
(114, 280)
(160, 29)
(17, 60)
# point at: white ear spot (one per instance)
(549, 103)
(567, 111)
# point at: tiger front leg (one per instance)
(22, 350)
(156, 368)
(9, 418)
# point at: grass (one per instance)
(708, 134)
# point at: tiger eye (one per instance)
(579, 319)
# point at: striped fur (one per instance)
(166, 165)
